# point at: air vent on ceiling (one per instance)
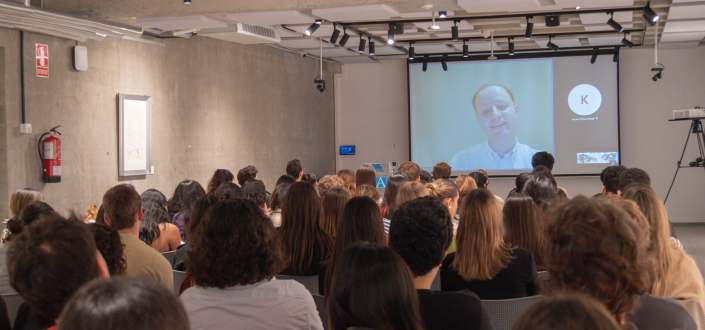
(243, 34)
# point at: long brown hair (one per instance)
(523, 226)
(481, 252)
(301, 228)
(333, 203)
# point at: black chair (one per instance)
(170, 256)
(504, 312)
(322, 311)
(310, 282)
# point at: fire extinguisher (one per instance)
(51, 159)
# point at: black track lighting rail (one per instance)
(523, 53)
(519, 36)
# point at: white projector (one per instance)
(690, 113)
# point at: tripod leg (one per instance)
(678, 166)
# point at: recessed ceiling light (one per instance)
(577, 7)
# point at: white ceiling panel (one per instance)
(602, 18)
(356, 13)
(606, 40)
(272, 18)
(413, 35)
(684, 26)
(303, 43)
(432, 48)
(477, 46)
(445, 26)
(593, 3)
(324, 30)
(332, 52)
(480, 6)
(678, 45)
(173, 23)
(681, 37)
(286, 33)
(605, 27)
(426, 14)
(383, 31)
(686, 11)
(387, 50)
(561, 42)
(355, 59)
(461, 34)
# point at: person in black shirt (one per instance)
(421, 233)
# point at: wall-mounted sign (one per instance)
(42, 61)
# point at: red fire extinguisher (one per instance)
(51, 159)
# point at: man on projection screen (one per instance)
(497, 114)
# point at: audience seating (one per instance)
(178, 279)
(310, 282)
(695, 310)
(504, 312)
(436, 285)
(171, 257)
(13, 302)
(322, 311)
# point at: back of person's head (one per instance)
(310, 178)
(373, 288)
(632, 176)
(610, 178)
(199, 210)
(541, 170)
(50, 260)
(348, 177)
(294, 168)
(278, 195)
(174, 203)
(394, 182)
(411, 170)
(154, 215)
(465, 184)
(542, 191)
(520, 181)
(122, 203)
(329, 182)
(90, 213)
(480, 179)
(124, 303)
(333, 203)
(365, 174)
(219, 177)
(107, 240)
(189, 194)
(409, 191)
(301, 230)
(21, 198)
(421, 233)
(593, 247)
(235, 230)
(369, 191)
(246, 173)
(481, 252)
(442, 189)
(153, 195)
(30, 213)
(523, 226)
(255, 191)
(441, 171)
(566, 311)
(228, 190)
(100, 216)
(425, 177)
(542, 158)
(286, 178)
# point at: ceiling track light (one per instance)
(433, 22)
(529, 28)
(465, 49)
(444, 63)
(425, 63)
(372, 46)
(611, 22)
(511, 46)
(650, 15)
(454, 31)
(411, 51)
(390, 34)
(311, 29)
(615, 57)
(442, 14)
(335, 35)
(187, 2)
(361, 47)
(627, 42)
(594, 55)
(551, 45)
(345, 38)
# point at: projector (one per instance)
(690, 113)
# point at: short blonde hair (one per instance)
(21, 198)
(410, 190)
(329, 182)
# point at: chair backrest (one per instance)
(322, 311)
(436, 284)
(170, 256)
(13, 302)
(504, 312)
(543, 275)
(310, 282)
(695, 310)
(179, 277)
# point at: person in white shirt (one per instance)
(498, 116)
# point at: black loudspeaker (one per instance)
(553, 20)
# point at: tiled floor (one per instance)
(692, 236)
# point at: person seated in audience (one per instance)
(295, 169)
(173, 204)
(425, 177)
(107, 240)
(441, 171)
(333, 204)
(219, 177)
(632, 176)
(541, 170)
(247, 173)
(369, 191)
(566, 311)
(389, 201)
(242, 292)
(89, 216)
(304, 242)
(421, 233)
(482, 180)
(276, 203)
(372, 288)
(311, 179)
(228, 190)
(448, 194)
(286, 178)
(365, 174)
(610, 179)
(329, 182)
(523, 227)
(361, 221)
(348, 177)
(408, 191)
(255, 191)
(18, 201)
(519, 183)
(189, 191)
(542, 191)
(156, 230)
(48, 262)
(595, 247)
(123, 303)
(543, 158)
(199, 209)
(677, 274)
(465, 184)
(123, 212)
(483, 262)
(411, 170)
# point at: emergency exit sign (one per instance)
(42, 61)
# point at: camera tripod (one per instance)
(696, 127)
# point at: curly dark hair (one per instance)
(614, 264)
(441, 171)
(632, 176)
(294, 168)
(421, 233)
(235, 230)
(610, 177)
(219, 177)
(248, 172)
(543, 158)
(107, 240)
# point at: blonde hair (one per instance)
(369, 191)
(465, 184)
(481, 252)
(21, 198)
(348, 177)
(442, 189)
(329, 182)
(91, 213)
(410, 190)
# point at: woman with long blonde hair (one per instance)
(483, 262)
(408, 190)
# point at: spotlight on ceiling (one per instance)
(442, 14)
(411, 51)
(311, 29)
(529, 28)
(454, 31)
(627, 42)
(344, 39)
(433, 22)
(372, 47)
(361, 47)
(335, 35)
(611, 22)
(511, 47)
(551, 45)
(650, 15)
(615, 57)
(425, 63)
(390, 34)
(658, 69)
(465, 49)
(594, 56)
(443, 63)
(187, 2)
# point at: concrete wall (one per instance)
(372, 111)
(215, 104)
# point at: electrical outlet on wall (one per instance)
(26, 128)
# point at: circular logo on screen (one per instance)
(584, 99)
